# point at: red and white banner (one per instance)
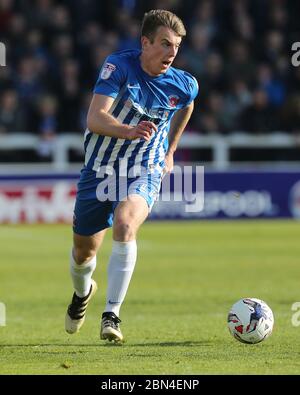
(232, 195)
(37, 202)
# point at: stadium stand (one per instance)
(239, 51)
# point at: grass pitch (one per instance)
(174, 318)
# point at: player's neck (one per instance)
(146, 68)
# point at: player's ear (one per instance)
(144, 42)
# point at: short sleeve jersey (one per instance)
(138, 97)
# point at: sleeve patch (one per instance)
(107, 70)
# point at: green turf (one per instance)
(174, 319)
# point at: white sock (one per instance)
(82, 275)
(120, 269)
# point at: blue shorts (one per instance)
(97, 198)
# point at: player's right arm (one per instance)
(99, 121)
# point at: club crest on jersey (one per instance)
(173, 101)
(107, 69)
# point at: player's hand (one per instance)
(143, 130)
(169, 163)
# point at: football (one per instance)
(250, 320)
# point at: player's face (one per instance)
(159, 54)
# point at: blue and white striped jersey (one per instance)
(138, 97)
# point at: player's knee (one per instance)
(124, 231)
(83, 255)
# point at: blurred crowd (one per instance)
(239, 51)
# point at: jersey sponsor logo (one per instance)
(155, 115)
(173, 101)
(107, 69)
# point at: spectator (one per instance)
(239, 51)
(213, 74)
(198, 50)
(69, 95)
(6, 14)
(11, 115)
(273, 87)
(291, 115)
(237, 98)
(239, 63)
(259, 117)
(47, 126)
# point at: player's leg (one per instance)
(83, 260)
(91, 219)
(128, 217)
(82, 266)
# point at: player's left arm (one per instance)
(178, 124)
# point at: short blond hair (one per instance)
(155, 18)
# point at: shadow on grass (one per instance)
(187, 343)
